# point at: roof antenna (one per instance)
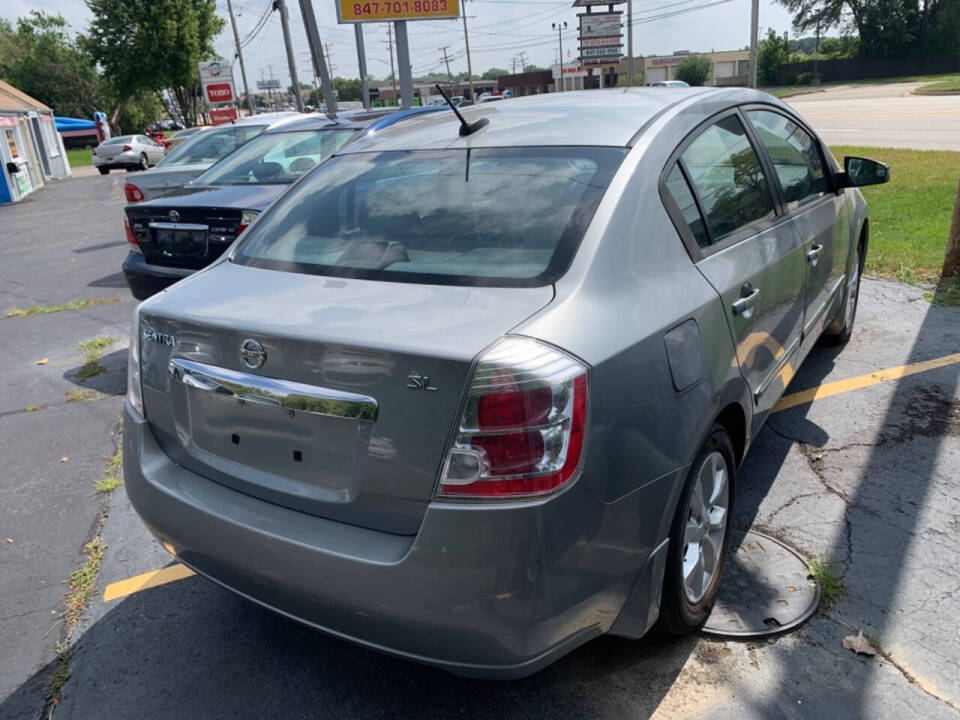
(465, 127)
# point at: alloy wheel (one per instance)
(853, 292)
(706, 526)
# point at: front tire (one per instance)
(104, 170)
(840, 331)
(700, 537)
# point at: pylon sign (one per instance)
(601, 33)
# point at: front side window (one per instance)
(211, 145)
(276, 158)
(504, 216)
(795, 157)
(729, 181)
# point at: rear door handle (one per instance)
(813, 254)
(748, 298)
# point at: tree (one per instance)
(348, 89)
(695, 70)
(772, 52)
(637, 79)
(841, 47)
(43, 60)
(147, 46)
(493, 74)
(885, 28)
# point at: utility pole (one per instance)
(403, 63)
(270, 87)
(630, 43)
(951, 261)
(362, 62)
(316, 50)
(754, 30)
(281, 5)
(523, 60)
(393, 72)
(243, 69)
(447, 61)
(559, 27)
(466, 40)
(816, 56)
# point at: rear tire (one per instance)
(144, 163)
(699, 537)
(104, 170)
(841, 329)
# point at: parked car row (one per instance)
(475, 391)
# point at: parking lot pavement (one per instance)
(64, 243)
(883, 115)
(864, 478)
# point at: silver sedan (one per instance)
(473, 394)
(132, 152)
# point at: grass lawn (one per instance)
(910, 215)
(80, 157)
(951, 83)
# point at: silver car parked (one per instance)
(475, 394)
(130, 152)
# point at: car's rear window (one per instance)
(495, 216)
(276, 158)
(117, 140)
(211, 145)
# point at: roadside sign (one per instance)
(216, 78)
(218, 92)
(352, 11)
(606, 25)
(221, 116)
(272, 84)
(600, 42)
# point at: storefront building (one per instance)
(31, 150)
(728, 67)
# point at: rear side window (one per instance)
(795, 157)
(680, 192)
(491, 216)
(728, 179)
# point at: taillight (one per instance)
(131, 238)
(133, 193)
(127, 148)
(246, 218)
(94, 151)
(523, 426)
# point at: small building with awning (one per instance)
(31, 150)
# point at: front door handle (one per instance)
(748, 298)
(813, 254)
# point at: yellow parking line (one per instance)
(861, 381)
(175, 572)
(122, 588)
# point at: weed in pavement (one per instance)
(72, 305)
(831, 586)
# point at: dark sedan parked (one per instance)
(174, 236)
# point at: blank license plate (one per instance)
(182, 242)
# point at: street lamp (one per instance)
(560, 27)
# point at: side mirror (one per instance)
(860, 171)
(12, 167)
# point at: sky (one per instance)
(499, 31)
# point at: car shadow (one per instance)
(191, 649)
(111, 381)
(116, 280)
(99, 246)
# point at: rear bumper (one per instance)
(145, 280)
(484, 591)
(122, 160)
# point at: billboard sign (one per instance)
(221, 116)
(606, 25)
(351, 11)
(272, 84)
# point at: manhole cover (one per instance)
(765, 589)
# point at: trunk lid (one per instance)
(300, 430)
